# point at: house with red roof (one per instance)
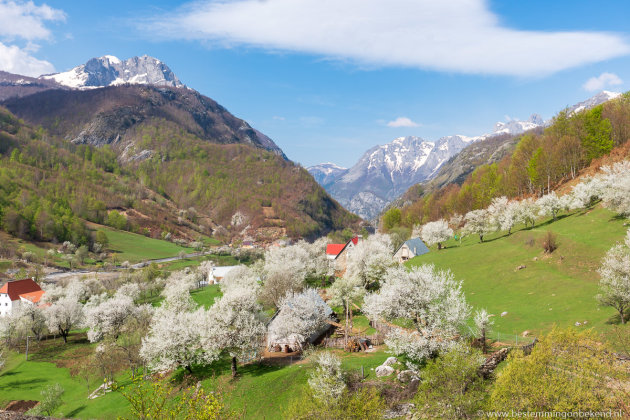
(338, 254)
(19, 292)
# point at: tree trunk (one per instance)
(623, 318)
(439, 246)
(483, 340)
(189, 369)
(234, 367)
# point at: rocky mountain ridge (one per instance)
(112, 71)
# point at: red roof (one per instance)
(334, 249)
(16, 288)
(33, 296)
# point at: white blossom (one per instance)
(107, 317)
(456, 221)
(64, 315)
(283, 270)
(318, 265)
(177, 292)
(549, 205)
(616, 191)
(482, 321)
(32, 320)
(496, 209)
(478, 223)
(586, 192)
(326, 380)
(369, 259)
(131, 290)
(436, 233)
(174, 340)
(240, 277)
(527, 211)
(235, 324)
(346, 289)
(615, 278)
(300, 316)
(430, 298)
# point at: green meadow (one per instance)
(557, 288)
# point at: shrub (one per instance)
(51, 400)
(549, 242)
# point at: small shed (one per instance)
(409, 249)
(277, 341)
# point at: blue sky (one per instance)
(328, 79)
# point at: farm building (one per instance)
(217, 273)
(19, 292)
(409, 249)
(338, 253)
(278, 337)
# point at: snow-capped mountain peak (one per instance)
(109, 70)
(325, 173)
(600, 98)
(517, 126)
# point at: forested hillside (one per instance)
(539, 163)
(187, 186)
(48, 187)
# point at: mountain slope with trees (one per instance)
(191, 187)
(539, 163)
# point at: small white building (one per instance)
(217, 273)
(19, 292)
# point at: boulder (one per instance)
(504, 313)
(407, 376)
(390, 361)
(384, 370)
(413, 385)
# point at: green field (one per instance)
(206, 295)
(554, 289)
(263, 392)
(132, 247)
(49, 363)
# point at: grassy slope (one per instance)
(48, 364)
(548, 291)
(205, 297)
(134, 248)
(265, 391)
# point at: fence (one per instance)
(340, 342)
(512, 340)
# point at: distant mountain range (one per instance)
(326, 173)
(385, 172)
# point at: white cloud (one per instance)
(459, 36)
(402, 122)
(25, 21)
(278, 118)
(15, 60)
(20, 19)
(602, 81)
